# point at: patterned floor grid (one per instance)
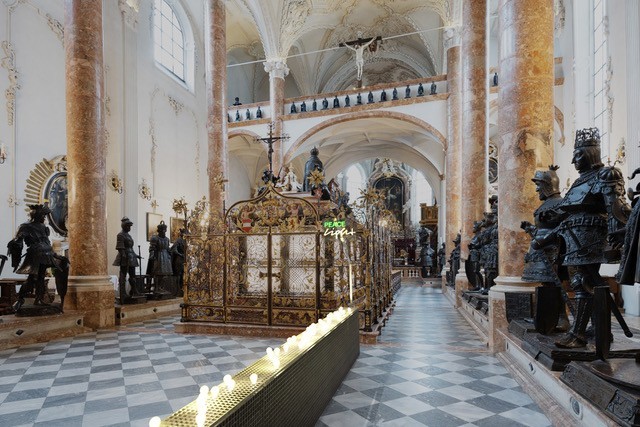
(429, 368)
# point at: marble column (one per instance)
(526, 111)
(453, 171)
(278, 70)
(90, 289)
(216, 89)
(474, 125)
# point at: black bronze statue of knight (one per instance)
(39, 257)
(543, 265)
(595, 209)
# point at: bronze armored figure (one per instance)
(454, 262)
(39, 257)
(473, 264)
(595, 210)
(543, 264)
(489, 243)
(127, 260)
(160, 259)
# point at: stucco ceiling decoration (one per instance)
(314, 28)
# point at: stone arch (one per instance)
(433, 132)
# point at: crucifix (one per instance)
(358, 46)
(268, 175)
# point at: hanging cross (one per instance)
(358, 46)
(270, 140)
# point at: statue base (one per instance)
(619, 402)
(543, 347)
(38, 310)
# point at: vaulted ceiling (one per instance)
(307, 33)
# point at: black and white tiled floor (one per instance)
(428, 368)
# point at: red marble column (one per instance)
(216, 88)
(454, 154)
(277, 70)
(474, 117)
(526, 111)
(89, 286)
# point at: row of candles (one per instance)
(302, 341)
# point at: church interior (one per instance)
(319, 212)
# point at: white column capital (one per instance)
(452, 36)
(276, 68)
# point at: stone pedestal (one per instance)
(94, 296)
(498, 309)
(462, 284)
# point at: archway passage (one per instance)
(346, 140)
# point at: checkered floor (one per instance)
(428, 369)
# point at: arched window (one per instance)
(172, 39)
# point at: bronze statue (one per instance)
(127, 260)
(473, 264)
(454, 262)
(595, 211)
(426, 260)
(347, 101)
(159, 257)
(38, 258)
(383, 96)
(314, 105)
(442, 258)
(177, 259)
(543, 265)
(247, 115)
(407, 92)
(394, 94)
(629, 272)
(359, 99)
(259, 113)
(325, 104)
(420, 90)
(303, 107)
(489, 251)
(336, 102)
(434, 88)
(293, 108)
(370, 98)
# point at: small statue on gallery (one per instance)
(303, 107)
(407, 92)
(434, 88)
(394, 94)
(237, 115)
(160, 259)
(454, 262)
(247, 115)
(259, 113)
(127, 260)
(177, 260)
(336, 102)
(294, 110)
(370, 98)
(420, 90)
(543, 264)
(325, 104)
(289, 181)
(596, 211)
(314, 105)
(314, 163)
(383, 96)
(359, 99)
(347, 101)
(39, 257)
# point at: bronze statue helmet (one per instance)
(39, 211)
(548, 181)
(126, 221)
(162, 226)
